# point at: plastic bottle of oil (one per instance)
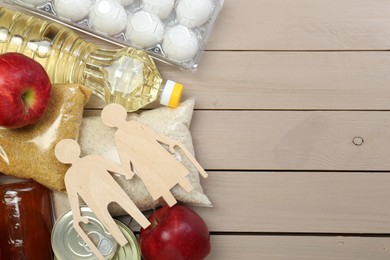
(126, 76)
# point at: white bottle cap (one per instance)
(171, 94)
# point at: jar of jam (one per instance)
(26, 220)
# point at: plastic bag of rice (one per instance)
(97, 138)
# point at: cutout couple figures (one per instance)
(88, 177)
(141, 152)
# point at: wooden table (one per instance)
(291, 123)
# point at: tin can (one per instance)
(68, 245)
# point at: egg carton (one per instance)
(173, 31)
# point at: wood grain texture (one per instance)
(292, 140)
(267, 63)
(232, 247)
(286, 80)
(334, 202)
(239, 72)
(302, 25)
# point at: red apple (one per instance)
(25, 90)
(175, 233)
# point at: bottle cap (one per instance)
(171, 94)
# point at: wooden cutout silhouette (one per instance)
(140, 148)
(88, 177)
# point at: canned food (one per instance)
(26, 219)
(130, 250)
(67, 244)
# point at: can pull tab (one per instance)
(104, 245)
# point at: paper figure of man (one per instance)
(140, 149)
(89, 177)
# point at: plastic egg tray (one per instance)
(174, 31)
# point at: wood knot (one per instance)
(357, 140)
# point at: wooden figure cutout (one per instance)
(89, 178)
(140, 148)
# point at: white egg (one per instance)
(144, 29)
(125, 2)
(73, 10)
(35, 2)
(162, 8)
(193, 13)
(180, 43)
(108, 16)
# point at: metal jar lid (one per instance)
(68, 245)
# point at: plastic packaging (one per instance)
(26, 221)
(173, 123)
(142, 24)
(28, 152)
(127, 76)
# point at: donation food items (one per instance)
(175, 233)
(142, 24)
(125, 75)
(173, 123)
(25, 220)
(28, 152)
(25, 90)
(39, 115)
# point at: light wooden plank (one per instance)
(233, 247)
(292, 140)
(286, 80)
(302, 25)
(331, 202)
